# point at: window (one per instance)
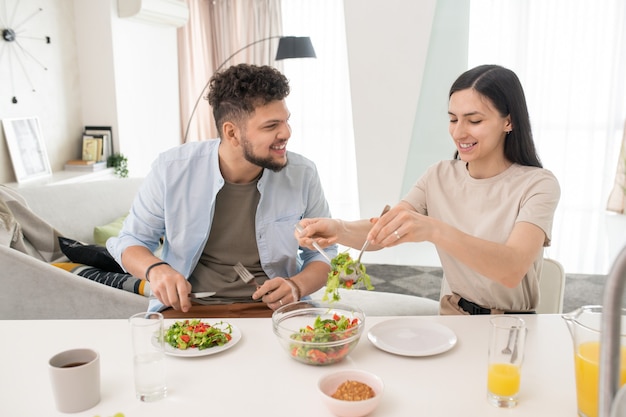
(569, 55)
(319, 102)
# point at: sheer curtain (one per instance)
(320, 105)
(569, 55)
(217, 29)
(617, 198)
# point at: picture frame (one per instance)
(26, 148)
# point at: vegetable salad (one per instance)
(345, 273)
(325, 331)
(197, 334)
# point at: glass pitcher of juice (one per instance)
(585, 326)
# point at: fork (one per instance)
(245, 275)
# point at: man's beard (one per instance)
(267, 163)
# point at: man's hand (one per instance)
(170, 287)
(275, 292)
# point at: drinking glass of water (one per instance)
(148, 355)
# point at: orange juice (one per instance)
(587, 376)
(503, 379)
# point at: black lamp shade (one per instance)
(295, 47)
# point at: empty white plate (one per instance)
(412, 337)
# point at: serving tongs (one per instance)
(315, 244)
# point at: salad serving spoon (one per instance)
(367, 242)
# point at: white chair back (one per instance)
(551, 287)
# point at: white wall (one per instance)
(387, 49)
(446, 60)
(146, 80)
(95, 57)
(129, 80)
(56, 100)
(102, 70)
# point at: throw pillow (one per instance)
(102, 233)
(121, 281)
(92, 255)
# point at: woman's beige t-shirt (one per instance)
(488, 209)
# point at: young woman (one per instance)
(489, 212)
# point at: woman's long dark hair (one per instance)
(502, 87)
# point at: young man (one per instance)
(228, 200)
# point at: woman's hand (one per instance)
(324, 231)
(400, 225)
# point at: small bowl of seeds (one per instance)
(351, 392)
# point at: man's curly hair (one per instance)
(237, 91)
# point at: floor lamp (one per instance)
(288, 47)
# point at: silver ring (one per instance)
(280, 301)
(397, 234)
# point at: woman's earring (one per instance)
(508, 132)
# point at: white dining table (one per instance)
(256, 377)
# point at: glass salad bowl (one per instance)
(318, 333)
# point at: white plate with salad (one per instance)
(194, 337)
(412, 337)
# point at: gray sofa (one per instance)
(33, 289)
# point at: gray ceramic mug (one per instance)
(75, 378)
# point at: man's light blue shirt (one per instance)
(177, 201)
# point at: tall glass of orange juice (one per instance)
(507, 338)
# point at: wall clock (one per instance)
(16, 45)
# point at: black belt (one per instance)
(475, 309)
(472, 308)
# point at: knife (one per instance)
(201, 294)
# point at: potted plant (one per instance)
(120, 163)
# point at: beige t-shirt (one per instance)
(232, 239)
(488, 209)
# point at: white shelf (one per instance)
(67, 177)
